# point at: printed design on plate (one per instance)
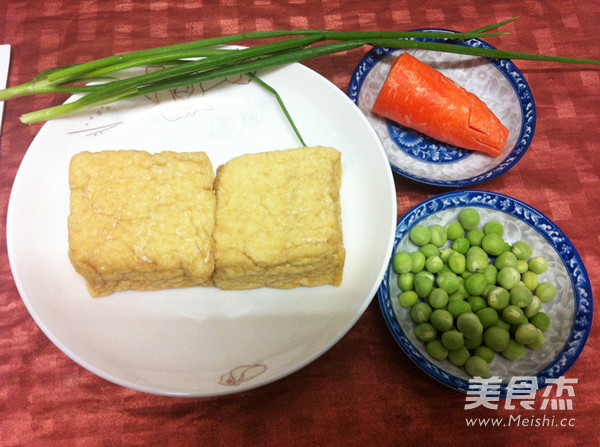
(175, 103)
(568, 269)
(92, 131)
(423, 148)
(242, 374)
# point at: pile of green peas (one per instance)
(472, 294)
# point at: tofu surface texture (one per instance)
(141, 221)
(278, 221)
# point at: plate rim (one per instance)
(528, 117)
(127, 382)
(583, 306)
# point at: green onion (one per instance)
(207, 59)
(281, 104)
(493, 26)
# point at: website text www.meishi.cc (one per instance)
(522, 421)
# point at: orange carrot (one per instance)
(421, 98)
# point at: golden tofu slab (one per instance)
(279, 220)
(141, 221)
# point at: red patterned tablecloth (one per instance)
(364, 391)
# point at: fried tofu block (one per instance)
(279, 220)
(141, 221)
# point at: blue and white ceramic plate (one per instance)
(570, 310)
(496, 82)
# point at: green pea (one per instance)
(476, 251)
(475, 284)
(503, 324)
(521, 296)
(522, 250)
(513, 314)
(426, 274)
(541, 320)
(461, 244)
(507, 247)
(469, 324)
(538, 265)
(438, 235)
(473, 343)
(436, 349)
(496, 338)
(453, 340)
(454, 230)
(458, 307)
(406, 281)
(476, 262)
(488, 288)
(448, 281)
(508, 277)
(402, 262)
(434, 264)
(425, 332)
(438, 298)
(475, 237)
(456, 296)
(487, 316)
(421, 312)
(461, 288)
(469, 218)
(522, 266)
(408, 298)
(477, 367)
(423, 285)
(441, 319)
(459, 356)
(526, 333)
(445, 254)
(476, 303)
(498, 298)
(418, 261)
(490, 272)
(530, 279)
(514, 351)
(539, 342)
(506, 259)
(485, 353)
(420, 235)
(545, 291)
(457, 262)
(493, 244)
(533, 308)
(445, 268)
(429, 250)
(493, 226)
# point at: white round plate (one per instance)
(570, 310)
(202, 341)
(498, 83)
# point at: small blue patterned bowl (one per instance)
(498, 83)
(570, 310)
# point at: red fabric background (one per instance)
(364, 391)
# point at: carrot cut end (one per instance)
(417, 96)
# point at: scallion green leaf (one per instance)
(207, 59)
